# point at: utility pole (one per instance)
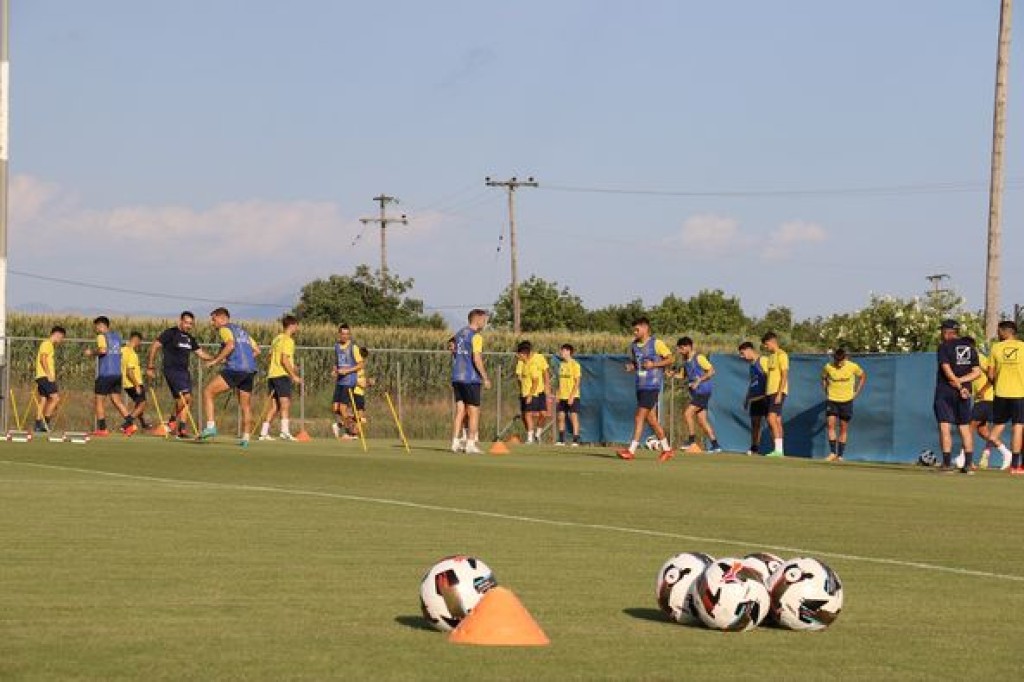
(5, 91)
(995, 193)
(512, 184)
(383, 220)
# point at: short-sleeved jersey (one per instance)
(758, 385)
(841, 381)
(778, 362)
(695, 368)
(282, 345)
(347, 355)
(569, 373)
(652, 349)
(531, 375)
(177, 346)
(130, 368)
(961, 357)
(243, 355)
(1007, 358)
(981, 387)
(108, 359)
(468, 342)
(46, 350)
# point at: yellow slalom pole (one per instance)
(359, 420)
(159, 412)
(191, 420)
(398, 423)
(17, 415)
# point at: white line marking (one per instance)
(795, 551)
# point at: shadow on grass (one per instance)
(656, 616)
(415, 623)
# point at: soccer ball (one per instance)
(452, 588)
(927, 459)
(730, 596)
(653, 443)
(764, 563)
(806, 595)
(672, 588)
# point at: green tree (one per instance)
(543, 306)
(712, 312)
(778, 319)
(359, 300)
(616, 318)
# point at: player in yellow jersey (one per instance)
(842, 380)
(755, 402)
(46, 379)
(569, 381)
(363, 382)
(778, 389)
(1006, 372)
(131, 378)
(534, 374)
(281, 376)
(981, 412)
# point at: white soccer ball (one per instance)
(764, 563)
(452, 588)
(730, 596)
(672, 587)
(806, 595)
(653, 443)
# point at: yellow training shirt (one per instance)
(841, 380)
(130, 368)
(282, 345)
(46, 350)
(1008, 359)
(778, 362)
(531, 375)
(982, 387)
(569, 374)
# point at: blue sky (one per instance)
(226, 149)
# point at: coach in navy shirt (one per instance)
(957, 367)
(178, 345)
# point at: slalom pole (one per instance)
(398, 422)
(359, 420)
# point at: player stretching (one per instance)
(698, 371)
(46, 379)
(280, 377)
(1007, 374)
(957, 368)
(178, 344)
(778, 389)
(348, 362)
(756, 401)
(649, 357)
(982, 414)
(569, 379)
(842, 381)
(238, 352)
(108, 377)
(131, 378)
(468, 374)
(534, 374)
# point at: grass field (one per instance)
(147, 559)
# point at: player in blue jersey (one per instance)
(238, 352)
(468, 376)
(698, 372)
(348, 363)
(649, 357)
(958, 367)
(108, 377)
(756, 400)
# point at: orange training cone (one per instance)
(499, 448)
(513, 439)
(303, 436)
(499, 619)
(160, 430)
(694, 449)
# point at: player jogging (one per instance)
(957, 368)
(569, 381)
(649, 356)
(108, 377)
(756, 400)
(348, 361)
(46, 379)
(177, 344)
(534, 375)
(468, 375)
(842, 380)
(281, 375)
(1006, 372)
(778, 389)
(698, 372)
(131, 378)
(238, 352)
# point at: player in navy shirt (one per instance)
(958, 366)
(178, 345)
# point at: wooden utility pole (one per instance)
(512, 184)
(995, 195)
(383, 220)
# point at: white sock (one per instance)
(465, 434)
(245, 436)
(265, 429)
(539, 433)
(1004, 451)
(285, 424)
(211, 425)
(778, 445)
(633, 446)
(665, 444)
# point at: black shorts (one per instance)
(775, 407)
(758, 408)
(136, 393)
(569, 407)
(243, 381)
(952, 409)
(341, 396)
(280, 387)
(537, 403)
(178, 382)
(647, 399)
(45, 388)
(700, 400)
(469, 394)
(107, 385)
(983, 412)
(842, 410)
(1008, 410)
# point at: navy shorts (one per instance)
(46, 388)
(758, 408)
(569, 407)
(469, 394)
(775, 407)
(841, 410)
(178, 382)
(1008, 410)
(983, 412)
(700, 400)
(243, 381)
(341, 394)
(538, 403)
(280, 387)
(107, 385)
(647, 399)
(952, 409)
(136, 393)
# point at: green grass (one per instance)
(288, 562)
